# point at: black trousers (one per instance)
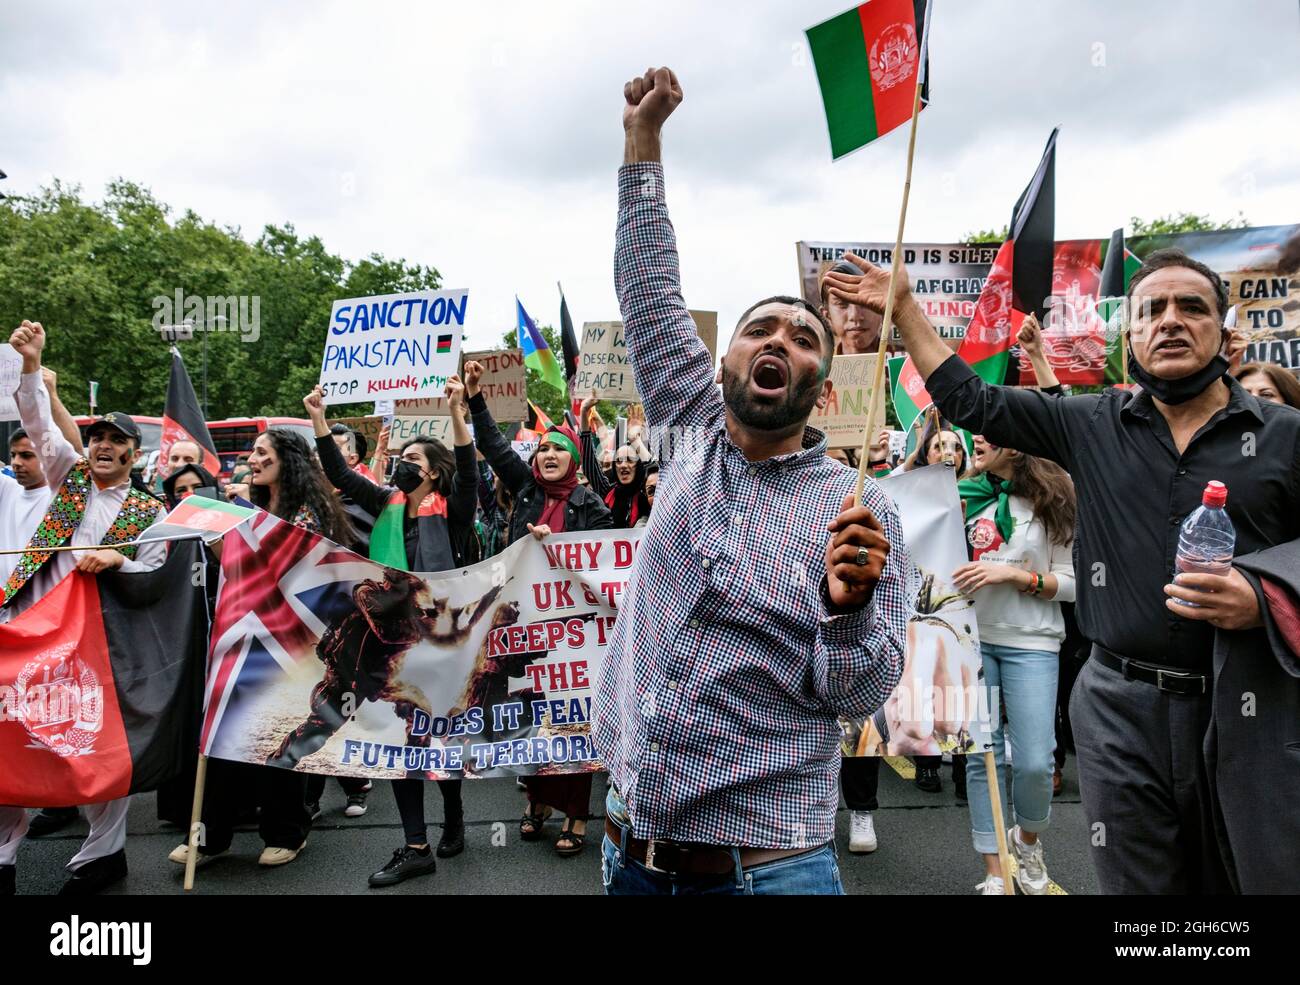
(860, 782)
(409, 794)
(1144, 784)
(284, 821)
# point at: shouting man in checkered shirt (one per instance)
(764, 604)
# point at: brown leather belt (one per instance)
(674, 858)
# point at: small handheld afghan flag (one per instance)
(183, 421)
(568, 340)
(537, 354)
(867, 61)
(1020, 280)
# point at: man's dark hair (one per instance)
(794, 302)
(18, 435)
(1171, 257)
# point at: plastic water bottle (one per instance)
(1206, 542)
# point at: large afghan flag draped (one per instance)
(867, 60)
(1020, 280)
(183, 420)
(101, 683)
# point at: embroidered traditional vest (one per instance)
(64, 516)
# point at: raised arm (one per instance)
(462, 500)
(674, 370)
(505, 463)
(57, 454)
(370, 496)
(1030, 338)
(59, 414)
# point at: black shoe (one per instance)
(406, 863)
(313, 809)
(959, 787)
(49, 820)
(452, 841)
(927, 779)
(96, 875)
(8, 880)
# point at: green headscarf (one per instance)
(978, 493)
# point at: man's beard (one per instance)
(794, 408)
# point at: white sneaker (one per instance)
(1031, 873)
(181, 853)
(279, 856)
(862, 832)
(992, 886)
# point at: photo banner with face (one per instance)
(948, 277)
(11, 369)
(372, 672)
(844, 418)
(394, 346)
(938, 705)
(605, 366)
(504, 384)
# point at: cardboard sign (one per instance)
(405, 428)
(368, 426)
(504, 384)
(605, 366)
(844, 418)
(394, 346)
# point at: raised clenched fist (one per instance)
(650, 99)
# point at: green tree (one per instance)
(93, 275)
(1182, 222)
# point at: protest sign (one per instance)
(392, 346)
(605, 366)
(524, 449)
(368, 426)
(404, 428)
(11, 368)
(844, 418)
(504, 384)
(482, 672)
(938, 705)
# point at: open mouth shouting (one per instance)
(769, 376)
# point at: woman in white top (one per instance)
(1020, 529)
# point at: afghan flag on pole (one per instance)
(102, 684)
(1117, 268)
(197, 516)
(537, 354)
(183, 421)
(867, 60)
(568, 340)
(1020, 280)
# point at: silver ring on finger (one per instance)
(863, 558)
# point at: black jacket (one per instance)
(586, 510)
(440, 544)
(1252, 747)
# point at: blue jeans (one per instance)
(815, 873)
(1026, 680)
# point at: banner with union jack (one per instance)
(325, 662)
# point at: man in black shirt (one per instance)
(1140, 462)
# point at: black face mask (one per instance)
(407, 477)
(1178, 391)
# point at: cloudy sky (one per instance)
(483, 138)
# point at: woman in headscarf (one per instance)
(548, 499)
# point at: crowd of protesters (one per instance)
(1051, 487)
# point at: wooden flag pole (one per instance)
(52, 550)
(995, 800)
(196, 821)
(887, 323)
